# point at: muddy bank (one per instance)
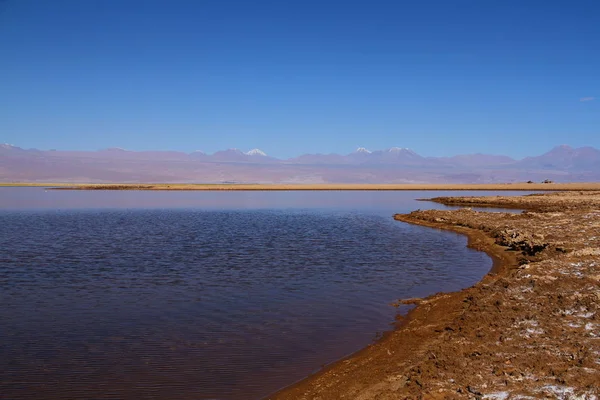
(560, 201)
(529, 329)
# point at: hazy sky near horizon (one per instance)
(300, 76)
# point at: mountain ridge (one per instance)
(395, 164)
(257, 151)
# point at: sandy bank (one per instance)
(333, 186)
(546, 202)
(531, 327)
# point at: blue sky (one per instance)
(300, 76)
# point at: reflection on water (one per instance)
(381, 201)
(214, 295)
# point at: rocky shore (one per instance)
(529, 329)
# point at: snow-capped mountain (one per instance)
(253, 156)
(401, 150)
(256, 152)
(394, 155)
(395, 164)
(6, 148)
(359, 156)
(9, 147)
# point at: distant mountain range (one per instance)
(393, 165)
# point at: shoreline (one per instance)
(584, 186)
(443, 348)
(477, 240)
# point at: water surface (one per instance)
(204, 295)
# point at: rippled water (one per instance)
(204, 296)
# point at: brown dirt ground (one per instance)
(541, 202)
(529, 329)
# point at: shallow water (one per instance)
(204, 295)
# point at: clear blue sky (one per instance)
(291, 77)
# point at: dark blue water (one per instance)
(204, 295)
